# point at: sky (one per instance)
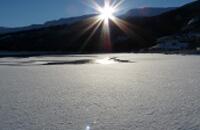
(15, 13)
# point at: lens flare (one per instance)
(105, 14)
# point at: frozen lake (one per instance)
(100, 92)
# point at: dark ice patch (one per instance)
(63, 62)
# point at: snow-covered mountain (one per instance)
(148, 11)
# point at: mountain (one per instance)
(69, 38)
(18, 29)
(148, 11)
(64, 21)
(193, 25)
(2, 29)
(61, 21)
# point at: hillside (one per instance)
(148, 11)
(145, 30)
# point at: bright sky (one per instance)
(25, 12)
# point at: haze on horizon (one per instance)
(26, 12)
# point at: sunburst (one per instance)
(105, 14)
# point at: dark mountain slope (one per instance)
(62, 21)
(147, 11)
(144, 31)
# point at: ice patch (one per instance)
(28, 62)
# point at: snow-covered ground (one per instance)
(100, 92)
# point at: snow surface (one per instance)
(152, 92)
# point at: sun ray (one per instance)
(117, 4)
(92, 33)
(107, 45)
(88, 24)
(128, 28)
(105, 14)
(123, 25)
(92, 22)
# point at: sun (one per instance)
(106, 12)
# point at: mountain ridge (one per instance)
(60, 21)
(145, 31)
(147, 11)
